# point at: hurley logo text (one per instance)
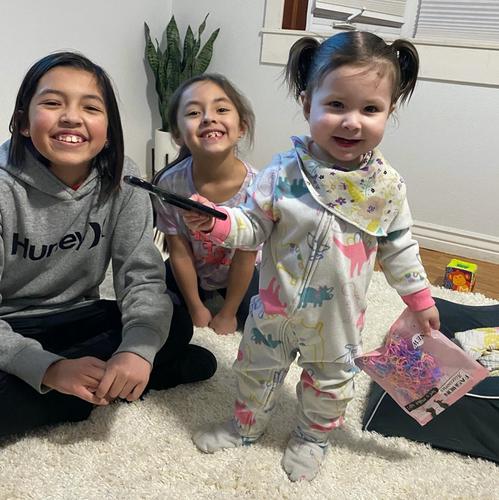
(31, 251)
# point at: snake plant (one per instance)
(177, 62)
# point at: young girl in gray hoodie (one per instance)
(65, 216)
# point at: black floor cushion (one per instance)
(470, 426)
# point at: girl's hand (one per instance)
(201, 316)
(428, 319)
(196, 221)
(77, 377)
(126, 377)
(223, 325)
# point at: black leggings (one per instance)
(93, 330)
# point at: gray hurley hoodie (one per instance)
(55, 247)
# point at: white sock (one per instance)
(302, 459)
(214, 437)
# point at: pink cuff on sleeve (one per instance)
(419, 301)
(221, 228)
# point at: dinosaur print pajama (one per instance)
(322, 228)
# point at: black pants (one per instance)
(93, 330)
(243, 310)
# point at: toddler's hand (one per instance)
(223, 325)
(196, 221)
(428, 319)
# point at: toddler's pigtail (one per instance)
(300, 59)
(408, 60)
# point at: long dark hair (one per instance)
(109, 161)
(310, 61)
(243, 107)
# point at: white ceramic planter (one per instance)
(165, 149)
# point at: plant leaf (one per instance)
(202, 26)
(150, 51)
(174, 56)
(172, 35)
(200, 32)
(188, 56)
(162, 85)
(179, 61)
(203, 60)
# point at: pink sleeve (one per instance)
(419, 301)
(221, 228)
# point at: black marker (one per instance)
(174, 199)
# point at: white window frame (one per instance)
(462, 62)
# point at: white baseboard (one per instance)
(457, 242)
(440, 238)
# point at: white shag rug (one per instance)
(143, 450)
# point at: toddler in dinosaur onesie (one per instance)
(322, 210)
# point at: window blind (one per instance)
(461, 20)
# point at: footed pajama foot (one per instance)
(302, 459)
(214, 437)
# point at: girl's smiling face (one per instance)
(208, 121)
(347, 113)
(67, 121)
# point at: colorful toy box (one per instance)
(460, 275)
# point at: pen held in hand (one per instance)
(174, 199)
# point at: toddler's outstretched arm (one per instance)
(247, 226)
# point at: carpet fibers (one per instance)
(143, 450)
